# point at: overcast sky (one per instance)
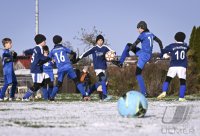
(117, 19)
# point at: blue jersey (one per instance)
(98, 55)
(146, 39)
(60, 54)
(48, 67)
(37, 56)
(7, 65)
(178, 53)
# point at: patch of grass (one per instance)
(5, 109)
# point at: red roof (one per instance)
(25, 61)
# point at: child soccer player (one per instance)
(144, 53)
(48, 76)
(36, 69)
(64, 65)
(98, 53)
(9, 76)
(85, 79)
(178, 65)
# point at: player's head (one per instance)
(100, 40)
(7, 43)
(40, 39)
(46, 50)
(180, 37)
(142, 26)
(57, 39)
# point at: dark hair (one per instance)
(57, 39)
(39, 38)
(100, 37)
(142, 25)
(180, 37)
(6, 40)
(45, 48)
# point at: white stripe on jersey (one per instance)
(108, 48)
(80, 57)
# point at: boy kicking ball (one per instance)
(178, 65)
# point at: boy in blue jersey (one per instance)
(98, 53)
(60, 55)
(48, 76)
(36, 69)
(178, 65)
(144, 53)
(8, 71)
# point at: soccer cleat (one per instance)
(11, 99)
(86, 98)
(162, 95)
(117, 63)
(52, 99)
(25, 100)
(182, 100)
(108, 98)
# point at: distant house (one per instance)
(23, 62)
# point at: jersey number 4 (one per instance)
(61, 57)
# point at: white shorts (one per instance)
(46, 75)
(37, 78)
(179, 71)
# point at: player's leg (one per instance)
(125, 54)
(170, 75)
(93, 88)
(165, 87)
(4, 88)
(140, 81)
(58, 85)
(72, 75)
(37, 84)
(44, 89)
(50, 89)
(182, 76)
(14, 87)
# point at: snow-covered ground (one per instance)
(97, 119)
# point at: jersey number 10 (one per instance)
(180, 55)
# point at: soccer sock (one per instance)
(165, 86)
(104, 88)
(45, 93)
(3, 91)
(13, 89)
(28, 94)
(93, 88)
(182, 91)
(54, 92)
(125, 54)
(141, 84)
(81, 89)
(50, 91)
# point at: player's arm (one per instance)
(159, 42)
(85, 54)
(7, 57)
(28, 52)
(43, 59)
(132, 47)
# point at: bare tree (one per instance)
(89, 38)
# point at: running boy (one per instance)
(98, 53)
(8, 71)
(36, 69)
(64, 65)
(178, 65)
(144, 54)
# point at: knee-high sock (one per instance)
(54, 92)
(125, 54)
(13, 90)
(81, 89)
(3, 90)
(104, 88)
(141, 84)
(45, 93)
(165, 86)
(182, 91)
(50, 91)
(28, 94)
(93, 88)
